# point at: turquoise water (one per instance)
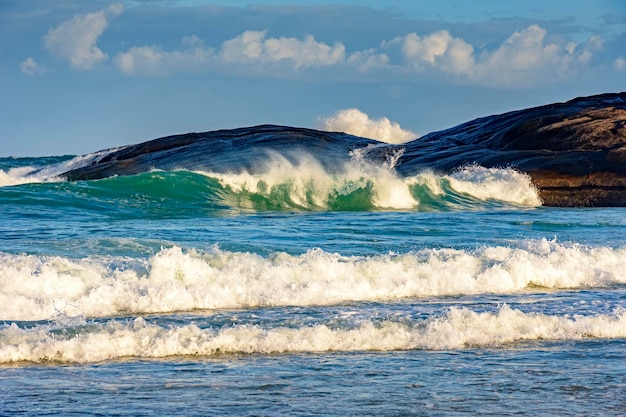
(298, 292)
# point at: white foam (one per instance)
(504, 184)
(459, 328)
(496, 184)
(50, 173)
(305, 184)
(355, 122)
(42, 287)
(17, 176)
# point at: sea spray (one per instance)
(16, 171)
(296, 183)
(364, 186)
(307, 185)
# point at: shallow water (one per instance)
(546, 378)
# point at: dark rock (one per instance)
(236, 150)
(574, 152)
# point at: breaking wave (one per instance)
(283, 185)
(458, 328)
(36, 287)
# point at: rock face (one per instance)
(235, 150)
(574, 152)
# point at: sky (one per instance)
(77, 76)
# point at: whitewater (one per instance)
(305, 287)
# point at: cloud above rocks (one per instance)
(523, 58)
(75, 39)
(355, 122)
(254, 47)
(154, 61)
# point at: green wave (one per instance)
(183, 193)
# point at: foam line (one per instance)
(459, 328)
(42, 287)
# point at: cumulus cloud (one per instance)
(355, 122)
(255, 47)
(524, 58)
(76, 38)
(31, 67)
(521, 58)
(251, 48)
(439, 49)
(525, 55)
(152, 60)
(368, 60)
(620, 64)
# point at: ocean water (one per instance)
(300, 292)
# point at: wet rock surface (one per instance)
(574, 152)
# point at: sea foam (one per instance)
(43, 287)
(359, 184)
(457, 329)
(303, 183)
(48, 173)
(19, 175)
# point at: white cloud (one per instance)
(439, 50)
(251, 48)
(31, 67)
(255, 47)
(525, 55)
(75, 39)
(620, 64)
(152, 60)
(523, 58)
(368, 60)
(355, 122)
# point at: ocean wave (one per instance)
(458, 328)
(20, 175)
(17, 171)
(285, 184)
(43, 287)
(361, 185)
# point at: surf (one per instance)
(457, 328)
(278, 183)
(36, 287)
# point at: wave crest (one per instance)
(298, 182)
(457, 329)
(42, 287)
(361, 185)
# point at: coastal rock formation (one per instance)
(223, 151)
(574, 152)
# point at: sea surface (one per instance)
(299, 292)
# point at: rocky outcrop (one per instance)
(234, 150)
(574, 152)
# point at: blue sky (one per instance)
(77, 76)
